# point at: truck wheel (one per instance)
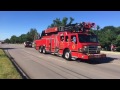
(40, 49)
(44, 50)
(67, 55)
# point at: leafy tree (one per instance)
(64, 21)
(31, 34)
(13, 39)
(98, 27)
(57, 22)
(107, 36)
(7, 40)
(118, 40)
(71, 20)
(22, 38)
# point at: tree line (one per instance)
(107, 35)
(29, 36)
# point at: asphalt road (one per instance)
(41, 66)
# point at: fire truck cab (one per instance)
(71, 41)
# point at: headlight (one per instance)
(85, 46)
(84, 49)
(98, 48)
(80, 50)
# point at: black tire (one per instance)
(41, 50)
(67, 55)
(44, 50)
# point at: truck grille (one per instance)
(92, 49)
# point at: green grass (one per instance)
(7, 70)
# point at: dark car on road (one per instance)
(28, 44)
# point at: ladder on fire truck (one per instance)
(78, 27)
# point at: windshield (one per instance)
(28, 42)
(87, 38)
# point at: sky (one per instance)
(20, 22)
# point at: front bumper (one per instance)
(96, 56)
(91, 56)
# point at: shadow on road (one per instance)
(97, 61)
(7, 48)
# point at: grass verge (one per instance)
(7, 70)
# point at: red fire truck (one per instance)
(70, 41)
